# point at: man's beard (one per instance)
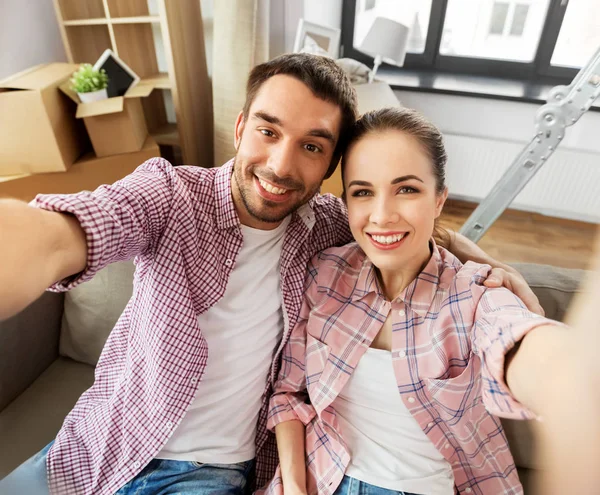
(268, 215)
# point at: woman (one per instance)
(395, 372)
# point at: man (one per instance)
(182, 386)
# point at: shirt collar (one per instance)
(418, 295)
(226, 214)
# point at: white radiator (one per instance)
(483, 136)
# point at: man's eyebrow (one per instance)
(271, 119)
(323, 133)
(319, 132)
(397, 180)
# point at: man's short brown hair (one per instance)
(323, 77)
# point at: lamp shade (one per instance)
(386, 38)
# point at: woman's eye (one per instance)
(407, 190)
(361, 193)
(267, 132)
(312, 148)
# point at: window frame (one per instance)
(537, 71)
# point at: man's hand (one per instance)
(501, 276)
(514, 282)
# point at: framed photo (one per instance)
(120, 76)
(317, 39)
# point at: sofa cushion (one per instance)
(28, 345)
(554, 287)
(91, 311)
(33, 419)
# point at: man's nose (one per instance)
(282, 158)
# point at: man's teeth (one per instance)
(388, 239)
(270, 188)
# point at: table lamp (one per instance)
(386, 41)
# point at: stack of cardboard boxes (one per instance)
(50, 143)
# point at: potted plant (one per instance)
(90, 84)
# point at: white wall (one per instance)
(483, 136)
(29, 35)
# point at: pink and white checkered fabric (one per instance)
(181, 227)
(449, 338)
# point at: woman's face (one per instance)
(392, 199)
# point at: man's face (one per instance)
(284, 149)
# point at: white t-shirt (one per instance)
(387, 446)
(242, 332)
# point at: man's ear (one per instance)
(440, 201)
(240, 122)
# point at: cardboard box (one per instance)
(38, 129)
(86, 174)
(115, 125)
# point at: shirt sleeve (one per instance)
(337, 218)
(290, 398)
(120, 221)
(501, 321)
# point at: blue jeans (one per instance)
(183, 477)
(159, 476)
(29, 477)
(352, 486)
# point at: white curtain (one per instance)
(240, 41)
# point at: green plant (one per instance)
(86, 79)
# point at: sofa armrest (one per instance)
(28, 345)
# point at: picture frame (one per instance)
(317, 39)
(121, 77)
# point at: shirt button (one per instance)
(411, 399)
(137, 464)
(402, 354)
(228, 262)
(430, 425)
(401, 313)
(468, 490)
(193, 379)
(447, 446)
(169, 424)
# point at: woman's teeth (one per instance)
(268, 187)
(387, 239)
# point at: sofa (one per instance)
(48, 353)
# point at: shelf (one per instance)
(72, 10)
(159, 81)
(87, 22)
(144, 19)
(167, 135)
(88, 42)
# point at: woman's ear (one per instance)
(240, 122)
(440, 201)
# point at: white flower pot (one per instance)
(101, 94)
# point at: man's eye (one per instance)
(267, 132)
(312, 148)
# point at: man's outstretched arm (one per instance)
(37, 248)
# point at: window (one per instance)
(499, 15)
(535, 40)
(579, 35)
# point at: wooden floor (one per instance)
(529, 237)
